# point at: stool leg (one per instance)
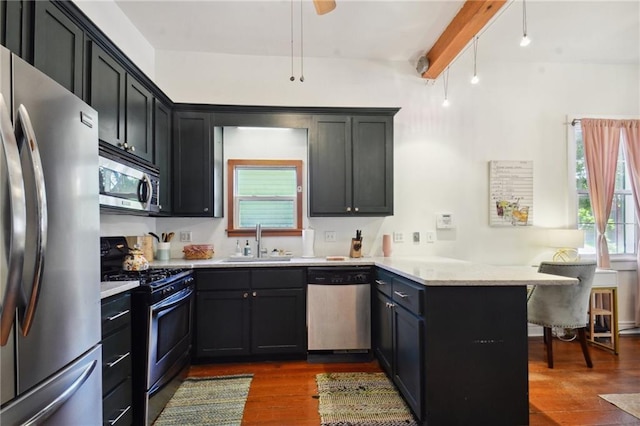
(548, 340)
(585, 348)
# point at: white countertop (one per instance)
(111, 288)
(427, 270)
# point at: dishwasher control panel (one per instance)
(340, 275)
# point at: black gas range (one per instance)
(158, 283)
(162, 327)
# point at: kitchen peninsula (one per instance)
(452, 335)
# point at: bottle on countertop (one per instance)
(238, 249)
(247, 249)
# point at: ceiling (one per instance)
(561, 31)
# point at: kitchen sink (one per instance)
(258, 259)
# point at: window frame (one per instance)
(232, 231)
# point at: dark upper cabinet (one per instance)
(15, 31)
(197, 165)
(162, 152)
(138, 124)
(351, 165)
(107, 96)
(58, 46)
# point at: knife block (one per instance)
(356, 248)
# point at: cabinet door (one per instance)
(330, 166)
(139, 108)
(108, 96)
(222, 323)
(278, 321)
(372, 144)
(57, 47)
(14, 21)
(193, 164)
(408, 365)
(383, 331)
(162, 152)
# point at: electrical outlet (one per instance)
(398, 237)
(416, 237)
(330, 236)
(185, 236)
(431, 236)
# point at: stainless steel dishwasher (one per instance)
(339, 309)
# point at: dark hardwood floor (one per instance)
(282, 392)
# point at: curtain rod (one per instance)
(575, 121)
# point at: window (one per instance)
(621, 228)
(265, 192)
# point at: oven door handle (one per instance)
(173, 300)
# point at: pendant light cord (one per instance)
(301, 46)
(292, 78)
(524, 17)
(475, 55)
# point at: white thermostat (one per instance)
(444, 221)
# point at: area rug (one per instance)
(207, 401)
(629, 402)
(358, 399)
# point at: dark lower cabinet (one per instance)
(116, 360)
(58, 47)
(457, 354)
(250, 312)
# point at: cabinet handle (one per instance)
(402, 295)
(122, 413)
(356, 209)
(380, 282)
(390, 305)
(118, 315)
(254, 294)
(206, 209)
(132, 149)
(348, 209)
(111, 364)
(245, 295)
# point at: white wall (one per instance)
(115, 24)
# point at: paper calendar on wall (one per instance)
(511, 193)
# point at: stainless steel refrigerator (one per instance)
(50, 354)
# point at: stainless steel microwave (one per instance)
(128, 186)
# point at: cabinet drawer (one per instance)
(408, 295)
(383, 282)
(223, 280)
(116, 313)
(116, 359)
(116, 407)
(277, 278)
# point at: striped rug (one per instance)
(629, 402)
(211, 401)
(358, 399)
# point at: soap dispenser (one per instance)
(247, 249)
(238, 249)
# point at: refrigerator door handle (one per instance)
(17, 223)
(24, 130)
(54, 405)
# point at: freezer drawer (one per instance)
(72, 396)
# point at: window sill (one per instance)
(620, 262)
(244, 233)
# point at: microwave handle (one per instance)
(141, 194)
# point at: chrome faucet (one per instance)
(259, 240)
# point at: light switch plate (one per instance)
(398, 237)
(416, 237)
(185, 236)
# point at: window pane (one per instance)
(268, 213)
(265, 182)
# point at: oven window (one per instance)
(173, 326)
